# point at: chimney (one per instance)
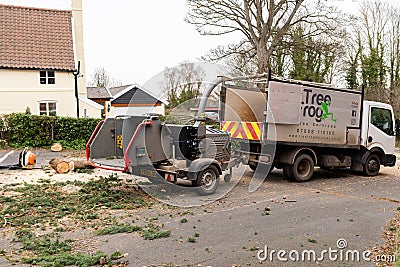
(77, 22)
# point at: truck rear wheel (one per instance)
(207, 181)
(372, 165)
(302, 169)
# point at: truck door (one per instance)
(381, 129)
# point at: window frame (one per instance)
(388, 131)
(49, 77)
(48, 111)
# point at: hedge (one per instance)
(20, 130)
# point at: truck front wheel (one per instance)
(302, 169)
(372, 165)
(207, 181)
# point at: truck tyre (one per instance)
(207, 181)
(302, 169)
(372, 165)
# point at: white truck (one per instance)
(297, 125)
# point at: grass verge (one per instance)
(46, 203)
(33, 212)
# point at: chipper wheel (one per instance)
(207, 181)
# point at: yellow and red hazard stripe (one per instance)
(243, 129)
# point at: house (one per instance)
(39, 52)
(134, 100)
(102, 96)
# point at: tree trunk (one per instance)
(262, 58)
(81, 164)
(59, 165)
(63, 166)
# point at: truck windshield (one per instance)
(382, 119)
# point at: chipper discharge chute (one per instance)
(145, 146)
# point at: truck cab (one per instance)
(378, 135)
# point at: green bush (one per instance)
(20, 130)
(71, 129)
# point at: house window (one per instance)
(47, 77)
(48, 108)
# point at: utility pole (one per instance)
(76, 74)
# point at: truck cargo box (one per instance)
(293, 112)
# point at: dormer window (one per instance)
(47, 77)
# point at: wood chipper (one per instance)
(146, 147)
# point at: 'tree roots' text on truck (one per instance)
(296, 125)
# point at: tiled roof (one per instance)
(34, 38)
(98, 92)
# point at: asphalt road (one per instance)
(232, 230)
(306, 216)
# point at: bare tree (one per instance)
(373, 53)
(101, 78)
(311, 58)
(372, 28)
(263, 24)
(394, 59)
(182, 83)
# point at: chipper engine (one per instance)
(145, 146)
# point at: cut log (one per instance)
(63, 166)
(82, 164)
(59, 165)
(57, 147)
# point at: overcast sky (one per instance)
(135, 40)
